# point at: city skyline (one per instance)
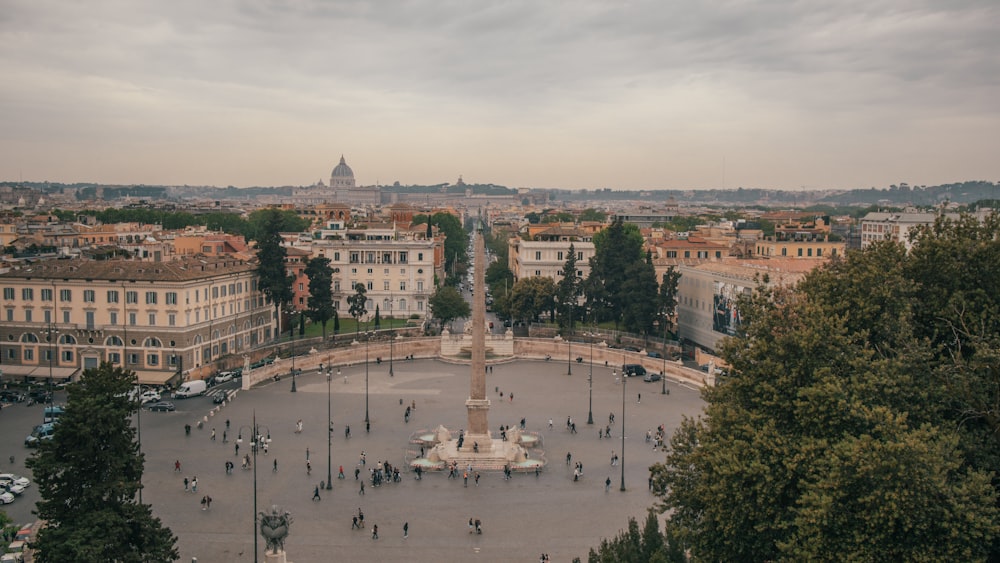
(636, 95)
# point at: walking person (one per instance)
(316, 493)
(406, 530)
(374, 531)
(177, 466)
(607, 484)
(354, 523)
(213, 434)
(194, 484)
(208, 502)
(225, 436)
(204, 502)
(186, 482)
(275, 470)
(639, 398)
(362, 490)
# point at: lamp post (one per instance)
(624, 379)
(569, 344)
(368, 337)
(49, 333)
(329, 430)
(256, 437)
(293, 358)
(590, 380)
(663, 370)
(391, 336)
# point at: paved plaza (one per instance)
(522, 518)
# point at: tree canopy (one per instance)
(88, 476)
(530, 297)
(447, 304)
(617, 250)
(273, 279)
(320, 275)
(858, 420)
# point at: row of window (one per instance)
(559, 255)
(371, 285)
(131, 297)
(703, 254)
(28, 355)
(372, 257)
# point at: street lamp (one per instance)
(624, 379)
(590, 379)
(663, 370)
(368, 337)
(256, 437)
(293, 358)
(569, 344)
(391, 336)
(329, 430)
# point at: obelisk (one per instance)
(478, 430)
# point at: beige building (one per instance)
(398, 268)
(547, 257)
(158, 319)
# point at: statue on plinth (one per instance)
(274, 528)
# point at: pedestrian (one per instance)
(354, 523)
(208, 502)
(309, 467)
(368, 426)
(470, 525)
(265, 448)
(316, 493)
(204, 502)
(347, 431)
(550, 424)
(639, 398)
(186, 483)
(194, 484)
(213, 434)
(307, 454)
(374, 531)
(275, 470)
(406, 530)
(237, 449)
(356, 473)
(477, 478)
(363, 460)
(607, 484)
(512, 397)
(362, 490)
(569, 458)
(225, 436)
(177, 465)
(572, 428)
(361, 518)
(340, 473)
(465, 478)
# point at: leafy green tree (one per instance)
(320, 303)
(357, 304)
(568, 291)
(667, 300)
(447, 304)
(378, 317)
(633, 545)
(263, 222)
(456, 241)
(530, 297)
(855, 424)
(272, 276)
(616, 249)
(591, 214)
(639, 297)
(88, 476)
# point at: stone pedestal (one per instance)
(275, 557)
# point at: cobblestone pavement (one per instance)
(522, 518)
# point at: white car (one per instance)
(6, 498)
(224, 377)
(149, 397)
(15, 479)
(18, 490)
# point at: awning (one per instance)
(39, 372)
(147, 377)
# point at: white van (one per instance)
(191, 389)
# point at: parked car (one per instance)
(40, 432)
(224, 376)
(16, 479)
(6, 498)
(633, 370)
(10, 396)
(651, 377)
(654, 355)
(149, 397)
(51, 414)
(630, 348)
(16, 490)
(162, 406)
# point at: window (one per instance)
(67, 355)
(420, 285)
(402, 304)
(687, 253)
(133, 358)
(387, 258)
(809, 252)
(29, 354)
(89, 296)
(47, 316)
(369, 284)
(152, 359)
(420, 256)
(538, 255)
(114, 318)
(65, 295)
(385, 285)
(152, 319)
(420, 305)
(579, 255)
(47, 355)
(215, 292)
(800, 252)
(172, 319)
(355, 257)
(90, 320)
(10, 315)
(112, 296)
(27, 294)
(369, 270)
(300, 287)
(150, 298)
(114, 357)
(8, 293)
(560, 255)
(171, 298)
(131, 319)
(385, 272)
(336, 285)
(46, 294)
(27, 315)
(66, 317)
(784, 251)
(402, 258)
(336, 257)
(538, 272)
(131, 297)
(402, 286)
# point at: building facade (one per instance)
(157, 319)
(546, 258)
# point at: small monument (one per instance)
(274, 528)
(475, 446)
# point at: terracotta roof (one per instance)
(184, 269)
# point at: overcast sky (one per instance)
(523, 93)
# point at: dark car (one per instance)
(655, 355)
(633, 370)
(651, 377)
(630, 348)
(163, 406)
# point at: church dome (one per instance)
(342, 170)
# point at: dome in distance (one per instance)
(342, 170)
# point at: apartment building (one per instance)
(547, 257)
(157, 319)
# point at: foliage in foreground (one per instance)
(88, 476)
